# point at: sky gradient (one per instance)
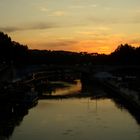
(72, 25)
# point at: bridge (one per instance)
(37, 76)
(54, 72)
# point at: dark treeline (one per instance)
(13, 52)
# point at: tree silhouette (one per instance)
(11, 51)
(124, 54)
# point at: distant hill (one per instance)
(18, 54)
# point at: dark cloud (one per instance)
(134, 41)
(106, 20)
(9, 29)
(61, 43)
(40, 26)
(35, 26)
(115, 20)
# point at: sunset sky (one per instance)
(72, 25)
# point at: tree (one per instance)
(11, 50)
(124, 54)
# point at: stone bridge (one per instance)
(9, 73)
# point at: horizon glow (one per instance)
(72, 25)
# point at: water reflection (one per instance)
(11, 115)
(94, 91)
(121, 104)
(97, 93)
(62, 90)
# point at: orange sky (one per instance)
(72, 25)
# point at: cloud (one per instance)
(58, 13)
(58, 44)
(135, 41)
(93, 5)
(40, 26)
(107, 20)
(9, 29)
(77, 6)
(44, 9)
(83, 6)
(86, 32)
(35, 26)
(122, 19)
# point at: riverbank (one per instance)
(116, 88)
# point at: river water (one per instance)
(87, 118)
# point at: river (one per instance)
(86, 118)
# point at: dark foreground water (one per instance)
(76, 119)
